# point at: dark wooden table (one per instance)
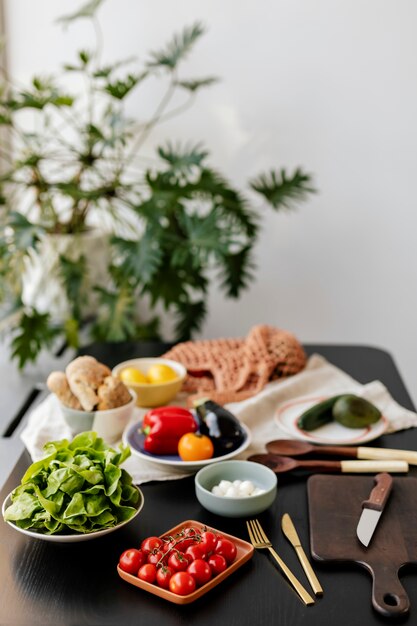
(77, 584)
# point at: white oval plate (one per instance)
(134, 438)
(287, 414)
(74, 537)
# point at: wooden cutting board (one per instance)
(335, 505)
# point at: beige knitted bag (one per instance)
(230, 370)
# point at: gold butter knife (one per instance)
(289, 531)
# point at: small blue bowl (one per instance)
(242, 506)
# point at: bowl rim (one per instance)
(198, 484)
(103, 412)
(73, 537)
(190, 466)
(130, 362)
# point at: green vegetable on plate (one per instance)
(346, 409)
(355, 412)
(77, 487)
(317, 415)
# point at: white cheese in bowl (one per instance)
(236, 489)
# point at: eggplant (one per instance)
(223, 428)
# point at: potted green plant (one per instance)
(74, 186)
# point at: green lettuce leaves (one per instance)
(77, 487)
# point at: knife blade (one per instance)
(373, 508)
(291, 534)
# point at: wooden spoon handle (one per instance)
(321, 466)
(344, 451)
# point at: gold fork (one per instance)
(260, 541)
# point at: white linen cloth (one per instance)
(319, 377)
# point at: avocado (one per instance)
(318, 415)
(355, 412)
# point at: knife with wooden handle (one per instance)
(373, 508)
(289, 531)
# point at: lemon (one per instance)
(131, 375)
(161, 373)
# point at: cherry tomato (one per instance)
(217, 563)
(227, 549)
(189, 538)
(163, 575)
(155, 556)
(185, 543)
(195, 552)
(150, 544)
(131, 560)
(182, 583)
(147, 573)
(208, 542)
(195, 447)
(167, 544)
(178, 561)
(201, 571)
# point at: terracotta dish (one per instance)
(244, 553)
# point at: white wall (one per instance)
(331, 86)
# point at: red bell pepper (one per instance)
(165, 426)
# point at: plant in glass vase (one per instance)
(87, 230)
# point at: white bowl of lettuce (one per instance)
(78, 491)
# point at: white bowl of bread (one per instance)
(91, 398)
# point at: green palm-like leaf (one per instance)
(5, 119)
(26, 234)
(116, 315)
(149, 330)
(231, 204)
(44, 92)
(73, 190)
(282, 190)
(36, 332)
(87, 10)
(202, 238)
(190, 317)
(195, 84)
(168, 285)
(119, 89)
(27, 100)
(139, 258)
(5, 255)
(237, 271)
(73, 274)
(183, 158)
(84, 57)
(164, 182)
(177, 48)
(106, 70)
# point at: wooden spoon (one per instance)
(292, 447)
(282, 464)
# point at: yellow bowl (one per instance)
(151, 394)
